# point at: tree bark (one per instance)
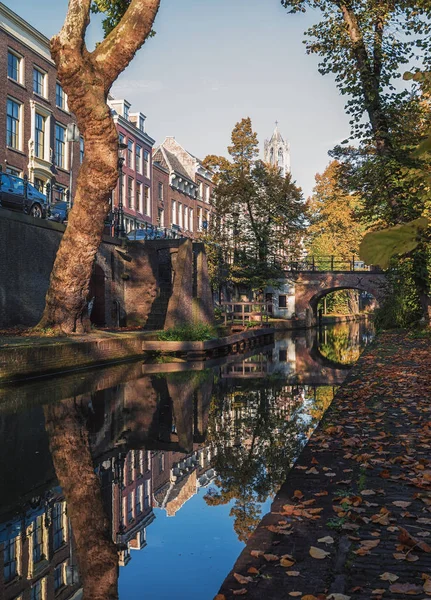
(369, 75)
(96, 553)
(87, 78)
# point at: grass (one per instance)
(198, 332)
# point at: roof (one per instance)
(171, 162)
(276, 135)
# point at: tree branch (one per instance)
(72, 34)
(113, 55)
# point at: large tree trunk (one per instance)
(87, 78)
(96, 553)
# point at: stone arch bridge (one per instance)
(311, 286)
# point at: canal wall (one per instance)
(142, 284)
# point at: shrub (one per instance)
(198, 332)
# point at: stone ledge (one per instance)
(45, 357)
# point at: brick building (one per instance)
(34, 115)
(187, 198)
(139, 208)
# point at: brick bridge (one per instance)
(311, 286)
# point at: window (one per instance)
(130, 192)
(39, 136)
(186, 216)
(282, 302)
(190, 219)
(59, 193)
(58, 517)
(201, 188)
(160, 192)
(60, 96)
(60, 146)
(207, 193)
(138, 159)
(59, 580)
(81, 150)
(138, 499)
(130, 154)
(13, 124)
(282, 355)
(130, 507)
(147, 201)
(146, 163)
(199, 218)
(180, 214)
(139, 205)
(130, 467)
(14, 66)
(161, 462)
(146, 494)
(173, 212)
(142, 124)
(36, 590)
(161, 217)
(39, 79)
(10, 560)
(121, 138)
(12, 171)
(37, 540)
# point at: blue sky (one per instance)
(213, 62)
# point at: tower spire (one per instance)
(277, 152)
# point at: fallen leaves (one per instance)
(318, 553)
(389, 577)
(366, 546)
(410, 589)
(326, 540)
(241, 579)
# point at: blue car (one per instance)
(18, 194)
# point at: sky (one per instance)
(214, 62)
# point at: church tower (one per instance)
(277, 152)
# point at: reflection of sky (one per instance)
(187, 557)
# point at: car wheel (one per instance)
(36, 211)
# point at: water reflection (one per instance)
(91, 463)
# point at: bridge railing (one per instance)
(246, 312)
(330, 263)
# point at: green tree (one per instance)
(87, 78)
(259, 214)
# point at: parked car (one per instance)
(19, 194)
(58, 212)
(152, 233)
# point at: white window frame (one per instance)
(20, 58)
(44, 74)
(173, 212)
(65, 164)
(20, 122)
(138, 159)
(139, 197)
(147, 200)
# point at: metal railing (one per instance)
(246, 312)
(330, 263)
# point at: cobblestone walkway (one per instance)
(353, 519)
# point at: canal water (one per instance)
(164, 469)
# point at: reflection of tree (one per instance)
(342, 344)
(256, 433)
(96, 553)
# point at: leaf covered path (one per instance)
(353, 519)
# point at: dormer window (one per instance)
(126, 112)
(142, 124)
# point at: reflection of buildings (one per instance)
(127, 490)
(177, 477)
(36, 553)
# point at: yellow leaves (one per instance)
(389, 577)
(406, 588)
(366, 546)
(368, 493)
(293, 573)
(295, 594)
(253, 571)
(270, 557)
(256, 553)
(409, 541)
(318, 553)
(241, 579)
(312, 471)
(401, 504)
(326, 540)
(287, 561)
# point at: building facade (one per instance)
(34, 116)
(134, 184)
(277, 152)
(187, 200)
